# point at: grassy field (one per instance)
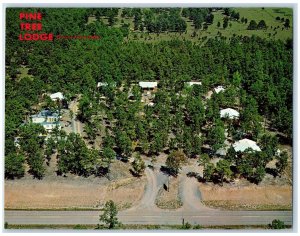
(275, 28)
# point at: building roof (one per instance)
(45, 113)
(50, 123)
(150, 104)
(105, 84)
(230, 113)
(219, 89)
(244, 144)
(56, 96)
(221, 151)
(148, 84)
(193, 83)
(102, 84)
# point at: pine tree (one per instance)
(109, 216)
(138, 165)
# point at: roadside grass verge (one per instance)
(230, 205)
(138, 227)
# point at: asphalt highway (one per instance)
(166, 217)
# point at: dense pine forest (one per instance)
(256, 72)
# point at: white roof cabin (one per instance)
(219, 89)
(101, 84)
(148, 85)
(57, 96)
(150, 104)
(244, 144)
(230, 113)
(105, 84)
(193, 83)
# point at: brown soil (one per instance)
(52, 195)
(169, 199)
(247, 197)
(55, 192)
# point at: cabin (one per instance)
(229, 113)
(57, 96)
(191, 83)
(49, 120)
(219, 89)
(148, 86)
(105, 84)
(244, 144)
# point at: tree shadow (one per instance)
(272, 172)
(150, 167)
(196, 175)
(168, 171)
(134, 174)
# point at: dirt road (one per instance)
(155, 179)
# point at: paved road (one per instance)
(150, 217)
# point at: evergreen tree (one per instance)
(138, 165)
(174, 162)
(252, 25)
(261, 25)
(109, 216)
(14, 166)
(287, 23)
(209, 171)
(282, 161)
(223, 169)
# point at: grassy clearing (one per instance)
(229, 205)
(235, 27)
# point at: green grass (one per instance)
(237, 28)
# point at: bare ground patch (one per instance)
(169, 199)
(75, 192)
(54, 194)
(250, 197)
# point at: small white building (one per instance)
(243, 144)
(191, 83)
(148, 85)
(219, 89)
(229, 113)
(101, 84)
(105, 84)
(57, 96)
(150, 104)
